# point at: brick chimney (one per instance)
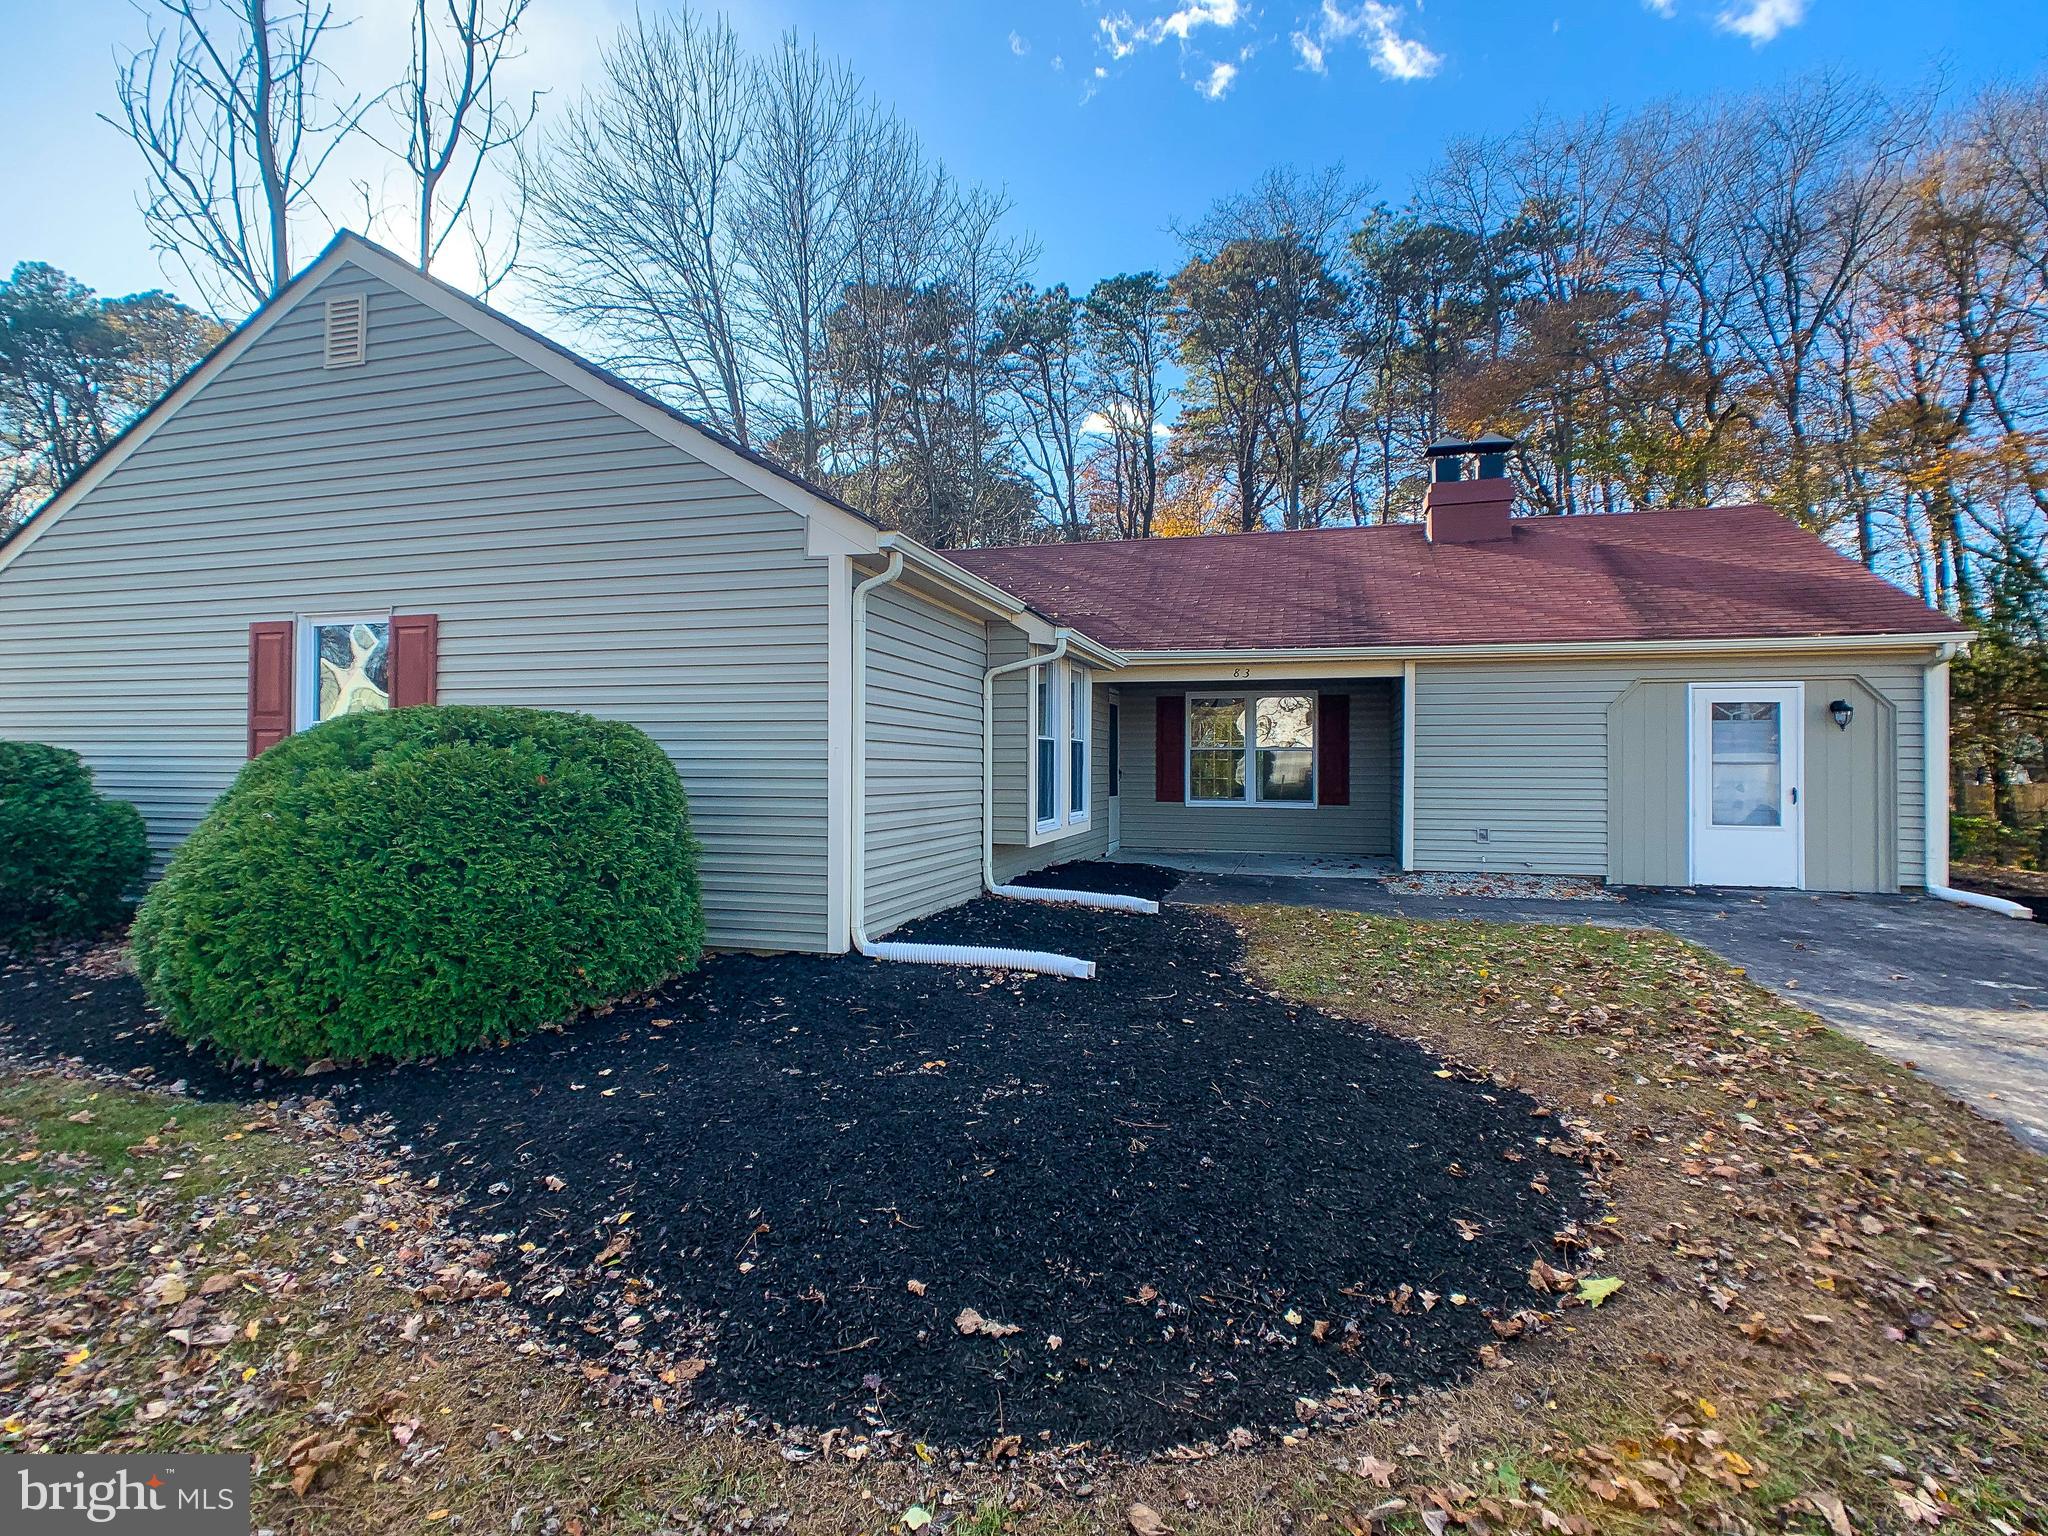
(1476, 511)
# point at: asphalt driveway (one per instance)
(1961, 994)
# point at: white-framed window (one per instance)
(344, 666)
(1251, 749)
(1046, 756)
(1080, 717)
(1062, 708)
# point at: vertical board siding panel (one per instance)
(923, 849)
(575, 560)
(1012, 735)
(1647, 833)
(1523, 750)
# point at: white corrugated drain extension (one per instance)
(1996, 904)
(1043, 963)
(1108, 900)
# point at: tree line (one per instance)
(1821, 296)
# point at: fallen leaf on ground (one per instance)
(1145, 1521)
(1597, 1290)
(971, 1322)
(1832, 1510)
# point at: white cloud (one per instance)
(1019, 45)
(1761, 20)
(1378, 27)
(1124, 37)
(1059, 64)
(1103, 424)
(1664, 8)
(1220, 78)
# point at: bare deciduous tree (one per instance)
(456, 120)
(228, 105)
(797, 207)
(634, 194)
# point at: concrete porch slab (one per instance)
(1285, 866)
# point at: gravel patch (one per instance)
(1509, 886)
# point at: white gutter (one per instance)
(1934, 782)
(918, 954)
(1106, 900)
(1138, 660)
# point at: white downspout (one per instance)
(1934, 794)
(920, 954)
(1106, 900)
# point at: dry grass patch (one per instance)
(1832, 1303)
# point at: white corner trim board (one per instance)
(1934, 772)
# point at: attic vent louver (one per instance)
(347, 338)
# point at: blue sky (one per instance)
(1105, 120)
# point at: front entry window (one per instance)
(1286, 743)
(1256, 749)
(1216, 749)
(1746, 763)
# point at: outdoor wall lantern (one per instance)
(1842, 712)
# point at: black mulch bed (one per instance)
(1174, 1173)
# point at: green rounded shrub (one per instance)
(68, 855)
(412, 882)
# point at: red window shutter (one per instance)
(1170, 743)
(270, 683)
(1333, 749)
(415, 659)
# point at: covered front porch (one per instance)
(1224, 775)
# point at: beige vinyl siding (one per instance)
(1092, 841)
(576, 561)
(1365, 827)
(925, 665)
(1522, 749)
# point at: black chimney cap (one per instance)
(1447, 447)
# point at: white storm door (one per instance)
(1748, 756)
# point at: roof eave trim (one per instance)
(1539, 650)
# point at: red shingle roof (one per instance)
(1720, 573)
